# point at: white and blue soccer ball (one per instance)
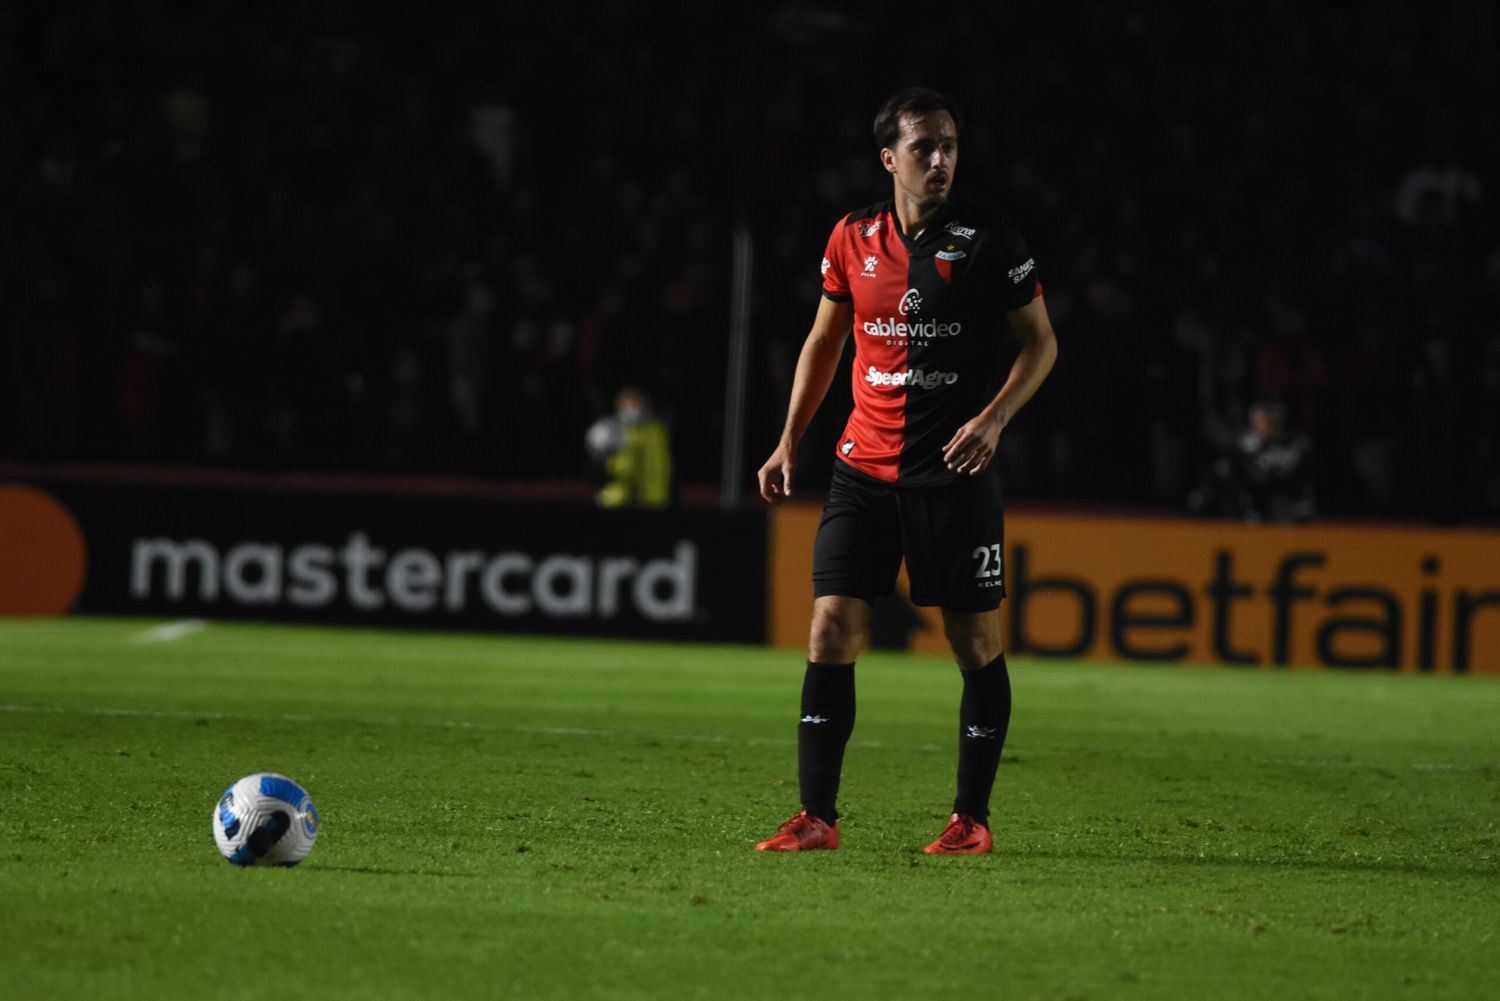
(265, 819)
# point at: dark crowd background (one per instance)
(321, 237)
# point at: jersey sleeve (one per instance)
(1018, 279)
(835, 274)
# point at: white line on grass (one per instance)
(169, 632)
(574, 731)
(444, 724)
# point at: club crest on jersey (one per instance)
(967, 232)
(952, 253)
(870, 228)
(869, 271)
(911, 303)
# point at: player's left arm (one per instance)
(972, 447)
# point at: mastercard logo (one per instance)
(43, 558)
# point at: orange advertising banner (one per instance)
(1162, 589)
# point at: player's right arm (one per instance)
(816, 366)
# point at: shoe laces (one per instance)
(960, 828)
(798, 822)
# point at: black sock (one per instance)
(827, 722)
(983, 718)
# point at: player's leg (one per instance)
(839, 627)
(974, 638)
(961, 569)
(855, 559)
(984, 709)
(983, 719)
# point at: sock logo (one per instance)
(980, 732)
(813, 718)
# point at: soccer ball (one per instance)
(265, 819)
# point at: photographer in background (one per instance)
(633, 446)
(1265, 475)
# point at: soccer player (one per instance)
(927, 282)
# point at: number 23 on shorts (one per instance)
(990, 562)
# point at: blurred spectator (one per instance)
(150, 349)
(633, 448)
(1267, 476)
(1439, 193)
(470, 341)
(1485, 467)
(343, 239)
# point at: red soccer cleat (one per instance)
(802, 833)
(964, 836)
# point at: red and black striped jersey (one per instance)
(929, 316)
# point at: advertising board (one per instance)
(1164, 589)
(382, 560)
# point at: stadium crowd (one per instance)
(337, 237)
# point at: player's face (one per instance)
(925, 157)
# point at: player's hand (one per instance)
(776, 475)
(972, 447)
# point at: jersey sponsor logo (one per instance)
(870, 228)
(870, 262)
(826, 265)
(911, 303)
(967, 232)
(913, 377)
(920, 330)
(1020, 271)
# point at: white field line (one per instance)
(574, 731)
(169, 632)
(549, 731)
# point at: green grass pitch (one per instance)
(550, 818)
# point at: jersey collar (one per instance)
(934, 228)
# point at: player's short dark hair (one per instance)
(911, 101)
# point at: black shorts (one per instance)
(952, 536)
